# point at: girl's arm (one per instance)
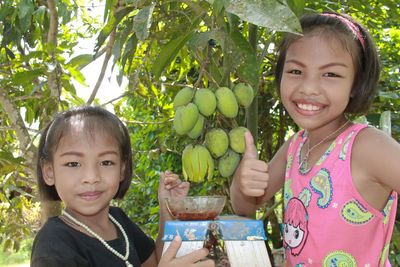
(376, 166)
(255, 181)
(171, 186)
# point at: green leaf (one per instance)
(200, 40)
(142, 22)
(25, 8)
(80, 61)
(66, 84)
(6, 11)
(129, 50)
(107, 8)
(29, 115)
(248, 67)
(112, 22)
(77, 75)
(121, 39)
(271, 14)
(297, 6)
(8, 163)
(219, 5)
(26, 77)
(25, 11)
(40, 13)
(168, 53)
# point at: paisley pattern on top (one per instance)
(321, 184)
(339, 259)
(326, 154)
(386, 210)
(353, 212)
(345, 147)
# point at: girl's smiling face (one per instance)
(86, 170)
(317, 79)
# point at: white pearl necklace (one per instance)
(116, 253)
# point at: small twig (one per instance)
(148, 122)
(202, 68)
(114, 99)
(104, 67)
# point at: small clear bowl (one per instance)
(195, 208)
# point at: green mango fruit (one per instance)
(197, 163)
(226, 102)
(205, 101)
(217, 142)
(197, 128)
(185, 118)
(244, 94)
(228, 163)
(237, 140)
(183, 97)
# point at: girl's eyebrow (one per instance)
(113, 152)
(295, 62)
(332, 64)
(80, 154)
(71, 153)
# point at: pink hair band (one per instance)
(351, 25)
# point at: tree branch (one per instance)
(104, 67)
(51, 46)
(17, 124)
(114, 99)
(148, 122)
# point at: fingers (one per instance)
(172, 250)
(207, 263)
(251, 150)
(195, 256)
(192, 259)
(252, 174)
(171, 180)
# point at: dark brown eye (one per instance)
(72, 164)
(107, 163)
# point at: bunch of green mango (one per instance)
(196, 111)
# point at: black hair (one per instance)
(363, 52)
(95, 118)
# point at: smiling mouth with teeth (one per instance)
(308, 107)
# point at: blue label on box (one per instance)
(225, 229)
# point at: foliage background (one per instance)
(157, 47)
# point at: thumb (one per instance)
(173, 248)
(251, 150)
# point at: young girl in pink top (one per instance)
(340, 179)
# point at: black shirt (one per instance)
(58, 245)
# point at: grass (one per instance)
(19, 258)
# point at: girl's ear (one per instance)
(48, 173)
(122, 172)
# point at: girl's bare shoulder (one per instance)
(378, 154)
(376, 140)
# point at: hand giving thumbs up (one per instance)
(252, 174)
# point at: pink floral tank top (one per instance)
(327, 222)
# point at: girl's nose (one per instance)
(91, 175)
(310, 85)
